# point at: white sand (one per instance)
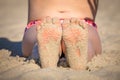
(13, 14)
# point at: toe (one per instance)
(43, 21)
(73, 20)
(48, 20)
(55, 21)
(82, 23)
(85, 25)
(38, 27)
(65, 23)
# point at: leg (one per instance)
(29, 40)
(94, 43)
(49, 38)
(80, 43)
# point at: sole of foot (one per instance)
(75, 37)
(48, 38)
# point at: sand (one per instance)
(13, 16)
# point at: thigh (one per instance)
(94, 40)
(29, 39)
(91, 50)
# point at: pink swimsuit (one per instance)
(38, 22)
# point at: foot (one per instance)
(49, 37)
(75, 37)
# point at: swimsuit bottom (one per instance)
(38, 22)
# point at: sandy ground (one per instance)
(13, 15)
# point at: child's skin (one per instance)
(78, 43)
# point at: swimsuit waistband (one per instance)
(38, 22)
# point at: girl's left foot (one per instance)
(75, 37)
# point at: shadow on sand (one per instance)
(14, 47)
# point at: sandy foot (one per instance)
(103, 67)
(75, 38)
(49, 37)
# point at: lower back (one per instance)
(59, 8)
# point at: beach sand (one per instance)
(13, 15)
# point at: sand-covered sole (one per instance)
(76, 42)
(49, 37)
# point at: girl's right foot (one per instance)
(49, 38)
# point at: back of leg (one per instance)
(29, 39)
(94, 42)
